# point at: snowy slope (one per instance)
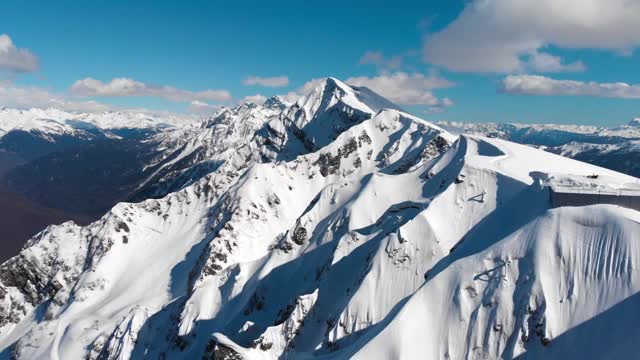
(554, 288)
(612, 148)
(383, 237)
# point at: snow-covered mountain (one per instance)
(613, 148)
(377, 236)
(51, 158)
(238, 137)
(234, 139)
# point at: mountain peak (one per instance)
(331, 91)
(326, 111)
(275, 102)
(332, 82)
(635, 122)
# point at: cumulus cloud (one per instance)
(406, 89)
(377, 59)
(291, 97)
(440, 106)
(307, 87)
(310, 85)
(506, 36)
(255, 99)
(12, 95)
(544, 62)
(23, 97)
(542, 85)
(119, 87)
(14, 59)
(276, 81)
(201, 107)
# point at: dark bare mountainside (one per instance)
(21, 218)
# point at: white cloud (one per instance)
(293, 96)
(310, 85)
(446, 102)
(14, 59)
(256, 99)
(406, 89)
(544, 62)
(128, 87)
(17, 96)
(503, 36)
(542, 85)
(23, 97)
(380, 61)
(276, 81)
(201, 107)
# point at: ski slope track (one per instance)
(335, 227)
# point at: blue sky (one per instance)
(486, 60)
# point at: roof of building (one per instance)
(594, 184)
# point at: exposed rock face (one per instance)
(279, 338)
(123, 339)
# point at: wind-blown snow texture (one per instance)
(377, 236)
(612, 148)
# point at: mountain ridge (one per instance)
(334, 243)
(613, 148)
